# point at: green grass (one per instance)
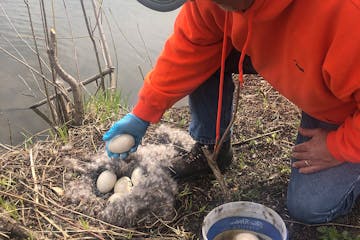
(6, 182)
(28, 140)
(10, 208)
(331, 233)
(106, 105)
(62, 132)
(84, 224)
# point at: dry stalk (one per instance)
(102, 84)
(21, 56)
(9, 148)
(256, 137)
(72, 39)
(146, 48)
(65, 235)
(30, 67)
(58, 206)
(125, 37)
(20, 36)
(114, 48)
(52, 111)
(33, 173)
(104, 45)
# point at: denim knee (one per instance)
(314, 210)
(303, 211)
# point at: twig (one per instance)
(104, 45)
(4, 235)
(21, 56)
(52, 110)
(17, 32)
(114, 47)
(37, 52)
(124, 36)
(102, 84)
(141, 72)
(28, 66)
(5, 147)
(85, 82)
(176, 231)
(33, 94)
(146, 48)
(72, 39)
(10, 131)
(53, 224)
(256, 137)
(212, 158)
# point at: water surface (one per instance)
(135, 36)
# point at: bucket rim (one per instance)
(216, 212)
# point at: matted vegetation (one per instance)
(33, 178)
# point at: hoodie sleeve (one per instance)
(344, 143)
(190, 56)
(342, 76)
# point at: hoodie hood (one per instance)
(271, 8)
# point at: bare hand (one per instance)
(313, 155)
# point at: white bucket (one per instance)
(235, 217)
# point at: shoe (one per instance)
(194, 163)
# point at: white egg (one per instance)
(121, 143)
(116, 196)
(106, 181)
(245, 236)
(123, 185)
(137, 175)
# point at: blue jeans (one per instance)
(204, 100)
(322, 196)
(312, 198)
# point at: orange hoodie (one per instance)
(308, 50)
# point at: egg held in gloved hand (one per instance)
(121, 143)
(129, 124)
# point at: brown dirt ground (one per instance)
(263, 134)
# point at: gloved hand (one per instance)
(129, 124)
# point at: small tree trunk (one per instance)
(74, 84)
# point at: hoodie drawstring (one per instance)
(222, 68)
(222, 71)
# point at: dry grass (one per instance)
(33, 179)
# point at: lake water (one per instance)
(135, 36)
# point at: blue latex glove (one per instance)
(129, 124)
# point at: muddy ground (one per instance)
(33, 178)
